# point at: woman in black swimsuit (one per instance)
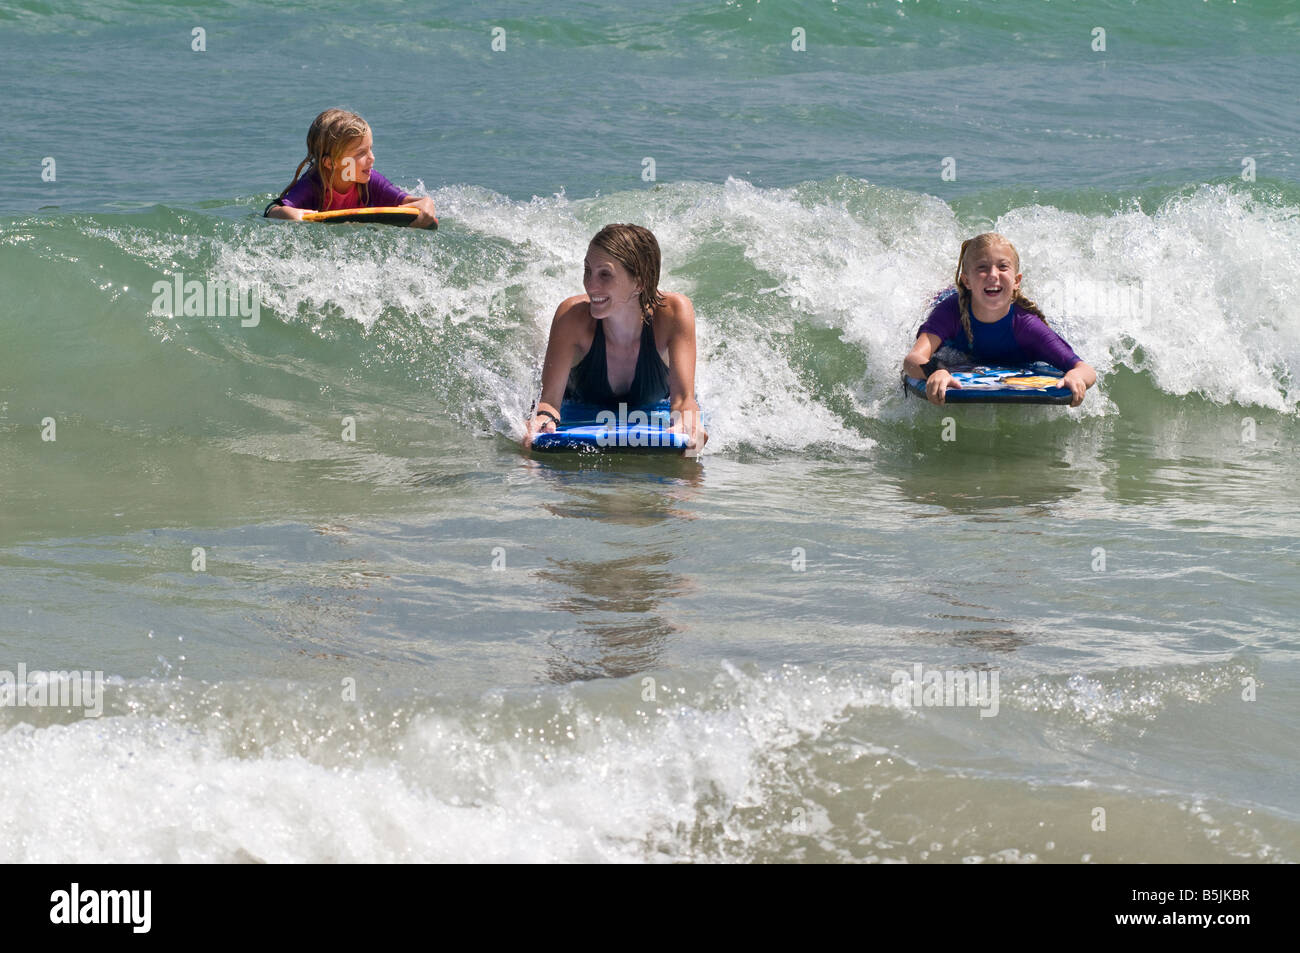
(624, 341)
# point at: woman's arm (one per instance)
(681, 370)
(561, 348)
(937, 384)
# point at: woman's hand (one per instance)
(427, 215)
(690, 422)
(1078, 379)
(537, 423)
(937, 384)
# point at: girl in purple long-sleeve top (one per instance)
(340, 174)
(1008, 328)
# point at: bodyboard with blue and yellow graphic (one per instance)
(998, 384)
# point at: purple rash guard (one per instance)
(307, 193)
(1033, 338)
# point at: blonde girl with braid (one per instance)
(987, 316)
(340, 173)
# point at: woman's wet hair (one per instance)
(328, 138)
(969, 249)
(636, 249)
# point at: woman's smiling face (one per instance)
(608, 284)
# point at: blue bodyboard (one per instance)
(584, 428)
(1037, 383)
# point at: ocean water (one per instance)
(424, 644)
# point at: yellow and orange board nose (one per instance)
(374, 215)
(1041, 381)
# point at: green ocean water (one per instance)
(423, 644)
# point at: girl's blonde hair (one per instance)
(971, 247)
(635, 248)
(328, 137)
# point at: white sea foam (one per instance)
(1218, 268)
(546, 778)
(1199, 293)
(745, 766)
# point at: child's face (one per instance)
(354, 165)
(991, 277)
